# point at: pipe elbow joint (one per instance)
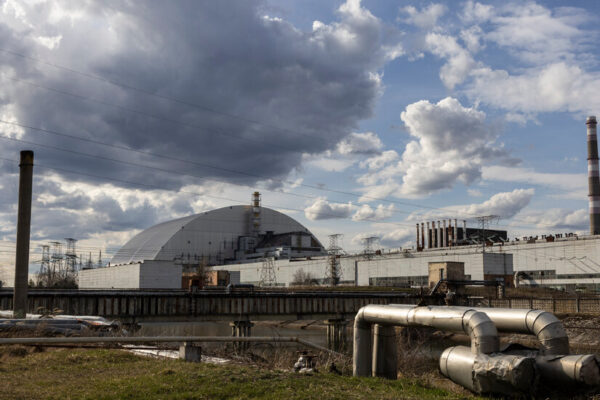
(483, 332)
(359, 319)
(549, 331)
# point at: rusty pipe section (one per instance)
(483, 333)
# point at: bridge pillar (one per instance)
(241, 329)
(336, 334)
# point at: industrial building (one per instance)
(229, 235)
(261, 246)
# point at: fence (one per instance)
(554, 305)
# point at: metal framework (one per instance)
(267, 272)
(333, 273)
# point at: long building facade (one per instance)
(568, 263)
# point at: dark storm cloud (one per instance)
(308, 89)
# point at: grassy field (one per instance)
(116, 374)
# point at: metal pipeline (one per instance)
(483, 333)
(482, 368)
(544, 325)
(570, 369)
(482, 373)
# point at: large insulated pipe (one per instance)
(23, 234)
(570, 369)
(544, 325)
(483, 333)
(385, 354)
(489, 374)
(593, 175)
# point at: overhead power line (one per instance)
(158, 95)
(146, 92)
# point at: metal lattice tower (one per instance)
(70, 256)
(267, 272)
(89, 264)
(45, 271)
(56, 259)
(368, 242)
(334, 272)
(484, 222)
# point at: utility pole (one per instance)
(484, 221)
(333, 274)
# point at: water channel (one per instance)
(315, 332)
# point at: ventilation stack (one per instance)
(255, 214)
(593, 177)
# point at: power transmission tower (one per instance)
(368, 242)
(70, 256)
(56, 260)
(334, 273)
(483, 222)
(45, 275)
(267, 272)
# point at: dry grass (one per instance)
(109, 374)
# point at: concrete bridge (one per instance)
(239, 307)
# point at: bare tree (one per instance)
(301, 277)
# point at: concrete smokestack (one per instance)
(464, 229)
(417, 236)
(428, 237)
(444, 236)
(23, 231)
(422, 235)
(439, 234)
(593, 177)
(455, 233)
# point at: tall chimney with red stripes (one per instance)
(593, 176)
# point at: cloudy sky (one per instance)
(359, 118)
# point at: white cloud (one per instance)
(459, 61)
(474, 192)
(381, 160)
(555, 87)
(474, 12)
(348, 152)
(451, 145)
(323, 209)
(328, 161)
(426, 18)
(538, 35)
(365, 212)
(555, 69)
(506, 205)
(563, 181)
(360, 143)
(472, 38)
(557, 218)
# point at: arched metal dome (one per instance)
(214, 235)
